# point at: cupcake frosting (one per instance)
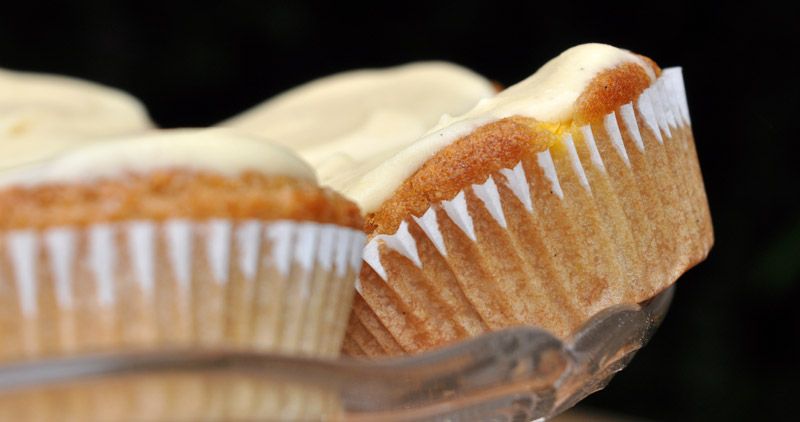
(42, 114)
(217, 150)
(344, 119)
(549, 95)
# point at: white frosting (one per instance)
(549, 95)
(42, 114)
(217, 150)
(356, 119)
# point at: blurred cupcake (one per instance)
(43, 114)
(178, 238)
(575, 190)
(342, 122)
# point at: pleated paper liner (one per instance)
(279, 286)
(612, 213)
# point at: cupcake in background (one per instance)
(370, 113)
(178, 238)
(43, 114)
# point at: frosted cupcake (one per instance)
(345, 121)
(186, 237)
(575, 190)
(43, 114)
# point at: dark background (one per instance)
(728, 348)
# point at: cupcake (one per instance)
(42, 114)
(201, 238)
(575, 190)
(339, 122)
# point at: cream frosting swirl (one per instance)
(43, 114)
(217, 150)
(350, 117)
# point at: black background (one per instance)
(727, 348)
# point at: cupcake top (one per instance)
(552, 96)
(339, 121)
(193, 174)
(42, 114)
(220, 151)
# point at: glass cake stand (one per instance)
(518, 374)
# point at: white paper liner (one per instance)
(630, 183)
(272, 285)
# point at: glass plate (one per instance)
(516, 374)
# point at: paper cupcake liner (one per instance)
(612, 213)
(270, 285)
